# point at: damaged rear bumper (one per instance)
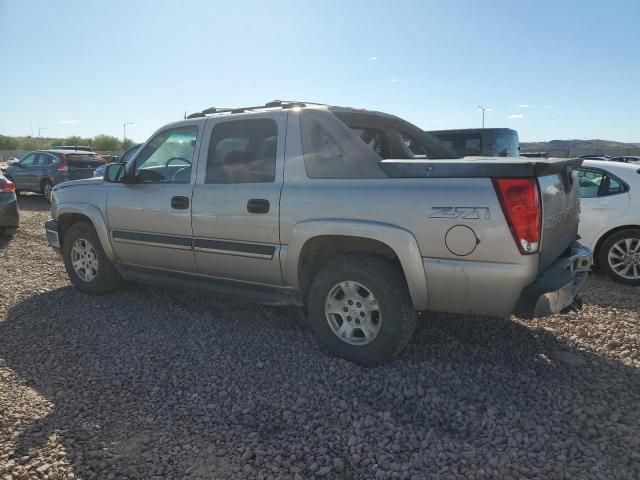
(558, 286)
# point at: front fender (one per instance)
(94, 214)
(401, 241)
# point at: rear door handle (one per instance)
(180, 203)
(258, 205)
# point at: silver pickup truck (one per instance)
(360, 216)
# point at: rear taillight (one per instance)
(7, 186)
(63, 166)
(520, 201)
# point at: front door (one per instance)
(23, 174)
(236, 199)
(150, 220)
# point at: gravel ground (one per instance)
(152, 383)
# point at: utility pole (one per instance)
(124, 129)
(484, 109)
(31, 125)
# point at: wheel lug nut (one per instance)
(348, 318)
(358, 304)
(345, 309)
(362, 314)
(350, 302)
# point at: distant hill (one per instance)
(574, 148)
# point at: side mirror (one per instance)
(115, 173)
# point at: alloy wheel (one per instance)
(624, 258)
(84, 260)
(353, 313)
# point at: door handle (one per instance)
(180, 203)
(258, 205)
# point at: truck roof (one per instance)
(284, 105)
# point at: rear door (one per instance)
(150, 221)
(604, 199)
(236, 198)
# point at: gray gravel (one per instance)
(152, 383)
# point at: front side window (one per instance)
(243, 151)
(168, 157)
(28, 160)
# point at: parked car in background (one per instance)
(39, 171)
(9, 216)
(126, 156)
(363, 239)
(604, 158)
(6, 164)
(627, 159)
(73, 147)
(610, 217)
(484, 142)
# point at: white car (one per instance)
(610, 217)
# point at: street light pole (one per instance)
(40, 130)
(124, 129)
(480, 107)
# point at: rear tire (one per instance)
(619, 256)
(87, 265)
(47, 186)
(379, 319)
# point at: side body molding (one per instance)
(94, 214)
(401, 241)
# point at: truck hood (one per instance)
(78, 183)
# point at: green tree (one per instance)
(126, 143)
(106, 143)
(8, 143)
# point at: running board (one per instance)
(256, 293)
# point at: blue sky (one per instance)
(550, 69)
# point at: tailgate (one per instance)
(560, 195)
(82, 165)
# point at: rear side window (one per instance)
(243, 151)
(415, 147)
(596, 183)
(374, 139)
(506, 145)
(462, 145)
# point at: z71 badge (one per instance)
(467, 213)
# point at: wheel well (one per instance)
(66, 220)
(42, 182)
(318, 250)
(603, 238)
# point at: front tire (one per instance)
(359, 308)
(88, 267)
(619, 256)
